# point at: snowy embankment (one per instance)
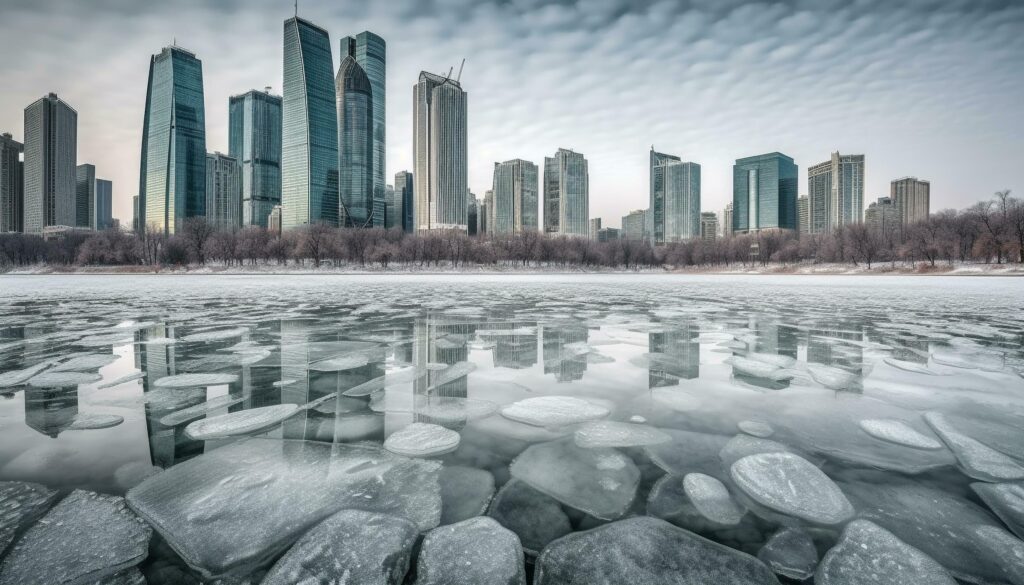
(922, 269)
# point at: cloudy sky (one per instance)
(931, 88)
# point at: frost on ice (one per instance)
(195, 380)
(19, 377)
(756, 428)
(789, 484)
(465, 492)
(608, 433)
(535, 517)
(898, 432)
(791, 553)
(242, 422)
(422, 440)
(977, 460)
(193, 412)
(84, 538)
(553, 411)
(711, 498)
(867, 554)
(84, 363)
(1006, 500)
(478, 551)
(62, 379)
(122, 380)
(21, 503)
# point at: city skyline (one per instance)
(898, 80)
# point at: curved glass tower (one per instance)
(370, 52)
(254, 138)
(355, 144)
(173, 169)
(439, 153)
(309, 118)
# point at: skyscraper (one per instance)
(910, 195)
(595, 227)
(85, 196)
(634, 225)
(764, 193)
(708, 226)
(104, 217)
(440, 153)
(657, 161)
(566, 194)
(392, 208)
(172, 178)
(309, 137)
(404, 194)
(835, 193)
(254, 139)
(12, 196)
(803, 214)
(727, 220)
(488, 212)
(355, 145)
(51, 150)
(883, 215)
(223, 191)
(515, 197)
(680, 200)
(370, 52)
(472, 213)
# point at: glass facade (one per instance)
(567, 194)
(515, 197)
(764, 193)
(681, 217)
(85, 195)
(49, 174)
(12, 196)
(104, 219)
(355, 146)
(370, 52)
(658, 160)
(223, 191)
(440, 153)
(309, 117)
(404, 195)
(254, 139)
(835, 193)
(173, 166)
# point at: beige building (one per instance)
(912, 197)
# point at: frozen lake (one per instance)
(735, 407)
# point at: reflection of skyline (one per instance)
(517, 351)
(679, 357)
(830, 352)
(50, 411)
(438, 339)
(566, 365)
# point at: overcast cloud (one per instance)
(921, 87)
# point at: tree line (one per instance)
(990, 231)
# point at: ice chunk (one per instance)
(977, 460)
(606, 433)
(711, 498)
(84, 363)
(535, 517)
(789, 484)
(1001, 549)
(741, 446)
(689, 452)
(232, 510)
(1006, 500)
(646, 550)
(21, 504)
(351, 546)
(194, 412)
(195, 380)
(867, 554)
(367, 388)
(451, 373)
(19, 377)
(779, 361)
(242, 422)
(84, 538)
(216, 335)
(478, 551)
(465, 493)
(600, 482)
(553, 411)
(448, 410)
(833, 378)
(132, 576)
(88, 422)
(342, 363)
(62, 379)
(790, 553)
(898, 432)
(756, 428)
(122, 380)
(750, 367)
(422, 440)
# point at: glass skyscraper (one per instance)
(85, 196)
(405, 197)
(674, 198)
(440, 153)
(658, 160)
(254, 139)
(764, 193)
(12, 196)
(567, 194)
(515, 197)
(223, 191)
(104, 218)
(835, 193)
(51, 151)
(355, 146)
(309, 139)
(370, 52)
(172, 178)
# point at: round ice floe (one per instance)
(790, 553)
(88, 362)
(216, 335)
(553, 411)
(898, 432)
(422, 440)
(756, 428)
(240, 423)
(606, 433)
(122, 380)
(195, 380)
(789, 484)
(88, 422)
(62, 379)
(1006, 500)
(712, 499)
(831, 377)
(19, 377)
(755, 368)
(868, 554)
(976, 459)
(780, 361)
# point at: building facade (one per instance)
(912, 197)
(488, 212)
(49, 169)
(223, 191)
(803, 215)
(440, 153)
(727, 220)
(172, 178)
(681, 202)
(883, 215)
(404, 194)
(608, 234)
(514, 189)
(274, 220)
(12, 195)
(309, 122)
(634, 225)
(355, 146)
(392, 208)
(656, 204)
(85, 196)
(567, 194)
(764, 193)
(370, 53)
(472, 213)
(104, 218)
(835, 193)
(595, 226)
(709, 226)
(254, 139)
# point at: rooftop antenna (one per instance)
(460, 70)
(296, 8)
(449, 76)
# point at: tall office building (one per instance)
(254, 139)
(136, 214)
(727, 220)
(440, 153)
(356, 174)
(85, 196)
(835, 193)
(392, 208)
(481, 218)
(472, 213)
(309, 121)
(764, 193)
(488, 212)
(910, 195)
(566, 194)
(12, 196)
(223, 191)
(595, 227)
(708, 226)
(634, 225)
(404, 194)
(674, 198)
(803, 215)
(515, 197)
(883, 215)
(370, 52)
(172, 178)
(656, 204)
(51, 151)
(104, 207)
